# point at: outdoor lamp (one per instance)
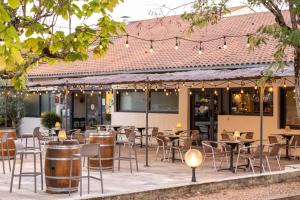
(57, 125)
(62, 135)
(236, 135)
(178, 125)
(193, 158)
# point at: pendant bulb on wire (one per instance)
(176, 44)
(248, 41)
(225, 43)
(151, 46)
(200, 48)
(127, 43)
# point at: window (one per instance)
(130, 101)
(36, 104)
(288, 115)
(163, 102)
(32, 105)
(245, 101)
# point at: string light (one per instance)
(190, 93)
(248, 41)
(176, 45)
(227, 88)
(76, 95)
(255, 87)
(294, 90)
(203, 89)
(127, 44)
(242, 91)
(271, 89)
(225, 44)
(216, 92)
(100, 92)
(200, 48)
(151, 47)
(284, 84)
(183, 84)
(156, 88)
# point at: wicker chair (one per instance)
(213, 152)
(164, 145)
(184, 145)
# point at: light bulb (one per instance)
(227, 87)
(151, 50)
(176, 47)
(203, 89)
(242, 91)
(200, 51)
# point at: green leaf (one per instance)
(14, 3)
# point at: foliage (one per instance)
(285, 31)
(49, 119)
(28, 33)
(15, 110)
(107, 117)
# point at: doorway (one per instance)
(204, 110)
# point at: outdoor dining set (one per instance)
(67, 154)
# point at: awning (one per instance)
(187, 76)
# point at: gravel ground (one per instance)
(274, 191)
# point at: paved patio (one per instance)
(158, 175)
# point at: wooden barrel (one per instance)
(106, 142)
(58, 166)
(12, 135)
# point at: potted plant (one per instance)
(49, 119)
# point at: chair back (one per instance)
(194, 135)
(249, 135)
(36, 132)
(272, 139)
(275, 150)
(226, 136)
(161, 140)
(256, 152)
(154, 131)
(90, 150)
(131, 136)
(295, 141)
(18, 146)
(187, 143)
(4, 137)
(207, 148)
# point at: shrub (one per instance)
(49, 119)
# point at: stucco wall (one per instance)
(227, 122)
(162, 120)
(29, 123)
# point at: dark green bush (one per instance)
(49, 119)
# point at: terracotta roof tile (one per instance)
(137, 57)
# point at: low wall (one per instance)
(208, 187)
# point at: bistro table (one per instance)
(287, 137)
(232, 144)
(141, 129)
(173, 139)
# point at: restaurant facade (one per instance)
(208, 103)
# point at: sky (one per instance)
(145, 9)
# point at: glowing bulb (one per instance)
(242, 91)
(191, 93)
(151, 49)
(216, 92)
(176, 47)
(126, 45)
(255, 87)
(200, 51)
(227, 87)
(271, 89)
(294, 90)
(203, 89)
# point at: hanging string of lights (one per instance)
(168, 88)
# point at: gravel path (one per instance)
(274, 191)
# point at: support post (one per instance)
(5, 108)
(147, 118)
(66, 105)
(261, 113)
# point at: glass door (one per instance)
(204, 111)
(92, 110)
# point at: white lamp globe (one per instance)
(193, 158)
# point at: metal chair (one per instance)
(20, 150)
(27, 136)
(4, 141)
(250, 157)
(195, 136)
(163, 143)
(130, 142)
(294, 145)
(213, 152)
(184, 145)
(89, 151)
(273, 153)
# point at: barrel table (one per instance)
(12, 135)
(58, 166)
(106, 142)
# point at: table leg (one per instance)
(287, 148)
(141, 131)
(231, 159)
(173, 152)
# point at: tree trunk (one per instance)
(297, 79)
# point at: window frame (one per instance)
(282, 108)
(236, 89)
(40, 106)
(118, 98)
